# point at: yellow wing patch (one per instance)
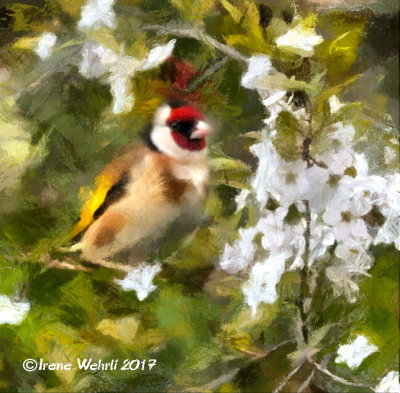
(94, 199)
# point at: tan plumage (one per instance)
(138, 195)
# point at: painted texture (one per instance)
(288, 280)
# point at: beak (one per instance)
(201, 131)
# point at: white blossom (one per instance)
(290, 182)
(320, 190)
(355, 256)
(273, 229)
(157, 55)
(11, 312)
(342, 216)
(325, 182)
(122, 98)
(262, 76)
(321, 237)
(389, 232)
(118, 69)
(335, 104)
(389, 383)
(261, 286)
(241, 199)
(342, 282)
(259, 67)
(391, 155)
(337, 161)
(96, 60)
(286, 182)
(238, 256)
(390, 199)
(339, 199)
(273, 98)
(299, 40)
(45, 45)
(364, 193)
(354, 353)
(343, 133)
(97, 13)
(268, 161)
(140, 280)
(274, 108)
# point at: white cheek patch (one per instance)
(162, 139)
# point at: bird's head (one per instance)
(179, 130)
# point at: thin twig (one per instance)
(220, 380)
(306, 156)
(339, 379)
(68, 265)
(287, 378)
(279, 345)
(306, 382)
(304, 289)
(55, 263)
(113, 265)
(200, 36)
(209, 72)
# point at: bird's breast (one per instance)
(196, 176)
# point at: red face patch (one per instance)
(185, 113)
(189, 144)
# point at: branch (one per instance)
(287, 378)
(306, 383)
(213, 385)
(113, 265)
(304, 290)
(275, 347)
(55, 263)
(267, 351)
(306, 156)
(70, 265)
(339, 379)
(210, 71)
(200, 36)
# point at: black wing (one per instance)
(115, 193)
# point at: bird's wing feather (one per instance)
(115, 193)
(109, 188)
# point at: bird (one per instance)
(139, 194)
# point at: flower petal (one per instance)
(157, 55)
(140, 280)
(354, 353)
(299, 40)
(11, 312)
(45, 45)
(97, 13)
(261, 287)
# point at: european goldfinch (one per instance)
(148, 187)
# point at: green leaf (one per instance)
(234, 12)
(326, 94)
(339, 53)
(285, 142)
(224, 163)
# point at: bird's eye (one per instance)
(173, 124)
